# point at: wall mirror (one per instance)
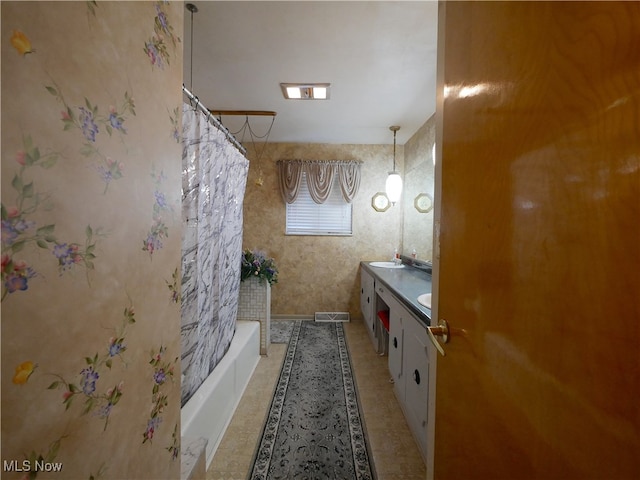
(417, 202)
(380, 202)
(423, 202)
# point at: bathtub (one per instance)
(208, 412)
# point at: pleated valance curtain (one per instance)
(320, 176)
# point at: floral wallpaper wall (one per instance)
(91, 240)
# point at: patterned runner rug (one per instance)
(313, 429)
(281, 330)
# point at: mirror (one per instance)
(418, 215)
(380, 202)
(423, 203)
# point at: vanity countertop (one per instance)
(407, 284)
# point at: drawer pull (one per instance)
(416, 377)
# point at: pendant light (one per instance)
(393, 186)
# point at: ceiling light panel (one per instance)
(305, 91)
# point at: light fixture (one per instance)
(394, 180)
(305, 91)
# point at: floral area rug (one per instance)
(314, 429)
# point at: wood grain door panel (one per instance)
(538, 240)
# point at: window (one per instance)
(306, 217)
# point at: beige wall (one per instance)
(321, 273)
(91, 235)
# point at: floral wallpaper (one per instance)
(91, 239)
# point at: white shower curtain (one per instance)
(214, 175)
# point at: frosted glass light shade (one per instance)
(393, 187)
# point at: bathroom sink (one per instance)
(386, 264)
(425, 299)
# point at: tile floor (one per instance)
(394, 451)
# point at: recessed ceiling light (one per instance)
(305, 91)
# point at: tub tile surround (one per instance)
(254, 304)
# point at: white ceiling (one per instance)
(380, 58)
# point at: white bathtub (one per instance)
(208, 412)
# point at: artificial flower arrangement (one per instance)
(256, 264)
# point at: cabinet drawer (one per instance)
(385, 295)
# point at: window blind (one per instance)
(305, 217)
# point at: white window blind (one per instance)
(306, 217)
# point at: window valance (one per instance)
(320, 175)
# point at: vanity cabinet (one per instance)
(368, 305)
(409, 365)
(418, 356)
(383, 297)
(411, 355)
(396, 344)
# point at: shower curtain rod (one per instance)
(213, 120)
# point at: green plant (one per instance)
(256, 264)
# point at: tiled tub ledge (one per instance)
(193, 459)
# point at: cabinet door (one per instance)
(367, 304)
(396, 342)
(416, 367)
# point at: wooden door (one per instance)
(537, 265)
